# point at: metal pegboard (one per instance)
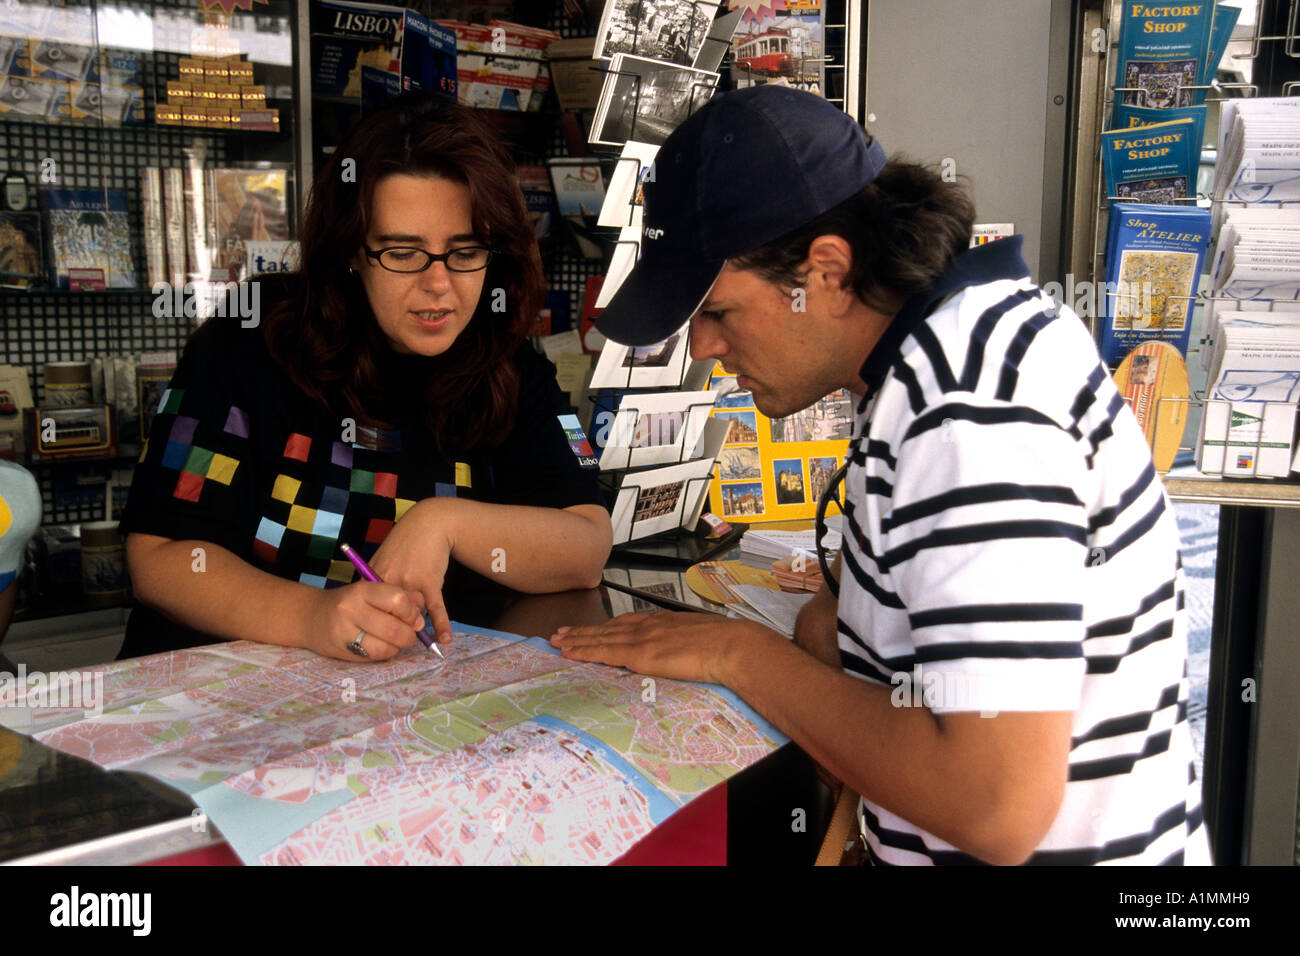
(48, 326)
(566, 271)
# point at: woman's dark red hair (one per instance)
(326, 336)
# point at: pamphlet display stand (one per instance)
(1208, 300)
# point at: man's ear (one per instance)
(830, 259)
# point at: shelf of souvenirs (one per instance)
(1212, 490)
(42, 291)
(264, 119)
(1245, 467)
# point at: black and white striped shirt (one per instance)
(1009, 547)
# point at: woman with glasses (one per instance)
(390, 401)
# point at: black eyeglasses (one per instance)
(832, 493)
(407, 259)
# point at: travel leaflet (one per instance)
(1151, 164)
(1153, 264)
(1162, 52)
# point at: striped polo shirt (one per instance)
(1009, 547)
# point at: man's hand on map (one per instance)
(389, 616)
(415, 556)
(677, 645)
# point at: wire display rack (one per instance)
(1209, 489)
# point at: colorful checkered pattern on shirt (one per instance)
(322, 492)
(323, 495)
(197, 464)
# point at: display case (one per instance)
(151, 155)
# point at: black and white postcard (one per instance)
(669, 30)
(645, 100)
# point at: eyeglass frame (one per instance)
(831, 493)
(444, 258)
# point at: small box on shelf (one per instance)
(218, 93)
(20, 250)
(216, 70)
(191, 69)
(61, 433)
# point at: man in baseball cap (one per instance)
(997, 663)
(746, 169)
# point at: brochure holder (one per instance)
(1110, 199)
(1208, 87)
(1199, 400)
(1251, 447)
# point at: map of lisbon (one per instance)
(505, 753)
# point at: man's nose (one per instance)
(705, 340)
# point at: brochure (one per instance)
(1153, 265)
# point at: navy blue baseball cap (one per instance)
(746, 168)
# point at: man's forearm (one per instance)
(206, 587)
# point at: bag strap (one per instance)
(841, 830)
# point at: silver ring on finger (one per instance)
(356, 648)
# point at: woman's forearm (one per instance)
(206, 587)
(535, 550)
